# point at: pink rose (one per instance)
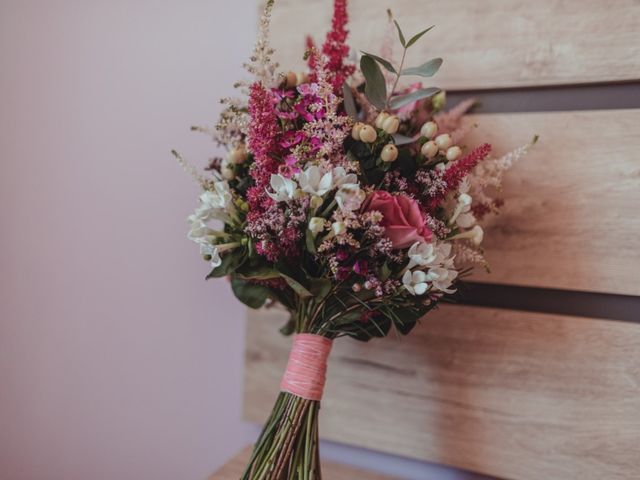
(402, 221)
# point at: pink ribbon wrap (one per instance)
(306, 371)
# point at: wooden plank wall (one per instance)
(488, 43)
(507, 393)
(511, 394)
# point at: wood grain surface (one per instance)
(571, 215)
(487, 44)
(331, 471)
(510, 394)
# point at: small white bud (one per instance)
(453, 153)
(302, 78)
(429, 129)
(429, 149)
(238, 155)
(391, 125)
(368, 134)
(355, 131)
(382, 116)
(291, 79)
(443, 141)
(389, 153)
(356, 287)
(227, 171)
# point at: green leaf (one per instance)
(417, 36)
(289, 327)
(252, 295)
(385, 272)
(385, 63)
(427, 69)
(401, 35)
(257, 273)
(296, 286)
(376, 86)
(320, 287)
(230, 262)
(310, 241)
(401, 100)
(349, 102)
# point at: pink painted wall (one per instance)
(117, 359)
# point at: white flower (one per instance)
(415, 282)
(338, 228)
(216, 204)
(341, 177)
(421, 253)
(199, 230)
(441, 278)
(316, 225)
(349, 197)
(212, 252)
(435, 259)
(313, 181)
(476, 235)
(284, 188)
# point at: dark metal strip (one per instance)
(550, 99)
(624, 308)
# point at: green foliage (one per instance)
(401, 100)
(253, 295)
(320, 287)
(376, 87)
(385, 63)
(400, 34)
(427, 69)
(417, 36)
(349, 102)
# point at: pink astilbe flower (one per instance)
(328, 127)
(335, 47)
(263, 141)
(457, 171)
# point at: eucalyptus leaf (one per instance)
(400, 101)
(400, 35)
(385, 63)
(376, 86)
(252, 295)
(427, 69)
(417, 36)
(349, 102)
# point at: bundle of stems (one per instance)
(287, 448)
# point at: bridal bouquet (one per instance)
(347, 197)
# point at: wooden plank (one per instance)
(571, 218)
(488, 44)
(511, 394)
(332, 471)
